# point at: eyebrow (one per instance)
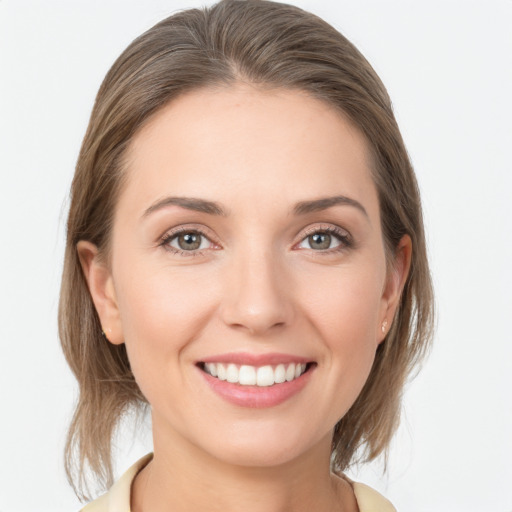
(190, 203)
(324, 203)
(213, 208)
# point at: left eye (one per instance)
(321, 241)
(189, 241)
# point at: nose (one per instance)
(257, 298)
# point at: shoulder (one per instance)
(98, 505)
(117, 499)
(369, 500)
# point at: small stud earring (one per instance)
(384, 325)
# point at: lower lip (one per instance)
(257, 397)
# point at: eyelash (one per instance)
(170, 236)
(343, 237)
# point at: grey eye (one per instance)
(189, 241)
(320, 241)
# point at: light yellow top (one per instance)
(118, 498)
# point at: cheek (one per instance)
(346, 317)
(346, 302)
(161, 313)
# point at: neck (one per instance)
(183, 478)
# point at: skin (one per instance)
(257, 285)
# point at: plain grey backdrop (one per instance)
(448, 67)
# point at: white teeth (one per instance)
(290, 372)
(212, 369)
(247, 375)
(232, 373)
(262, 376)
(221, 371)
(265, 376)
(280, 374)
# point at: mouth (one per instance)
(259, 376)
(256, 380)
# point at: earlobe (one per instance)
(395, 282)
(101, 287)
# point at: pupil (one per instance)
(320, 241)
(189, 241)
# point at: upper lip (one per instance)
(245, 358)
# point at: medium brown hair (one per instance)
(271, 45)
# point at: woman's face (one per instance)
(247, 244)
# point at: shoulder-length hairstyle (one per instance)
(270, 45)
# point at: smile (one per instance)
(261, 376)
(256, 380)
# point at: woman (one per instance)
(245, 254)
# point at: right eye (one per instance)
(187, 242)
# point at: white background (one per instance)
(448, 67)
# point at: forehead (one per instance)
(243, 142)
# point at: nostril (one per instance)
(256, 305)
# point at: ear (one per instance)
(395, 282)
(101, 287)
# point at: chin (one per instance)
(264, 448)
